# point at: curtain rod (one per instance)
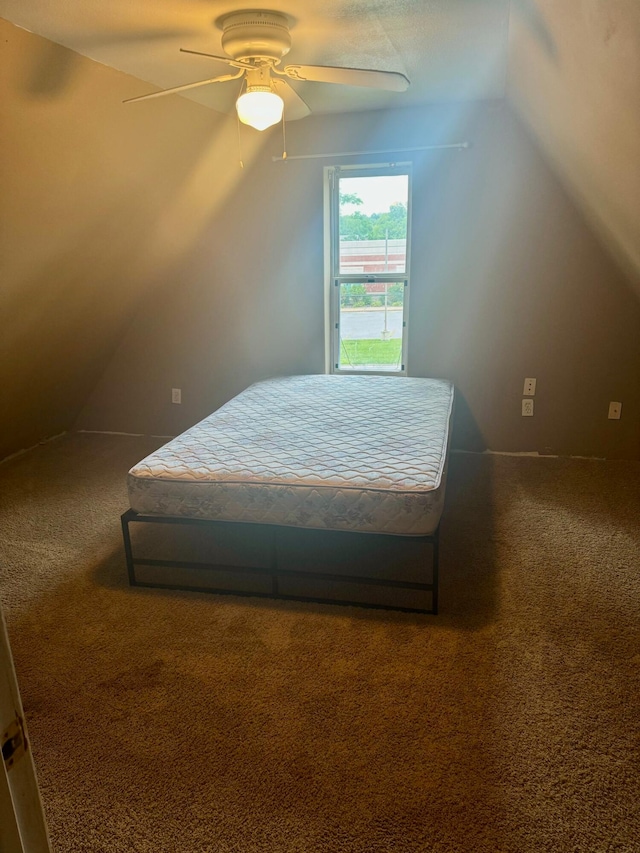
(458, 145)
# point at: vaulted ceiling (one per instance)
(449, 49)
(571, 70)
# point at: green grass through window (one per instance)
(371, 352)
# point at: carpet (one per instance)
(174, 721)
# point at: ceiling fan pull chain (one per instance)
(242, 84)
(284, 139)
(239, 143)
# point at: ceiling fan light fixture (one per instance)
(259, 107)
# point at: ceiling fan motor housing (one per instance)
(256, 35)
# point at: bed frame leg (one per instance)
(128, 553)
(275, 587)
(436, 558)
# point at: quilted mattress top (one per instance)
(335, 432)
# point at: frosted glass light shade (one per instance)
(259, 108)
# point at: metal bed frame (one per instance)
(273, 571)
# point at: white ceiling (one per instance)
(449, 49)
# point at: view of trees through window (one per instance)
(376, 226)
(357, 296)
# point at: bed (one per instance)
(294, 476)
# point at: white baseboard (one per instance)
(33, 447)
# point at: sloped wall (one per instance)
(508, 281)
(98, 202)
(574, 79)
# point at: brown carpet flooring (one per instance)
(167, 721)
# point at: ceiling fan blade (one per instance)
(184, 88)
(294, 106)
(392, 81)
(235, 62)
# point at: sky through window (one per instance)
(377, 193)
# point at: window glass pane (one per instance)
(370, 325)
(373, 224)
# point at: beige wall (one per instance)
(97, 202)
(508, 281)
(574, 78)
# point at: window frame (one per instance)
(334, 278)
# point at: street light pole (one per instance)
(385, 333)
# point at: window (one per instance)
(369, 210)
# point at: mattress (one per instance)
(359, 453)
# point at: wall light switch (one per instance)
(527, 408)
(529, 388)
(176, 395)
(615, 411)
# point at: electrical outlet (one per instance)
(529, 388)
(615, 411)
(527, 408)
(176, 395)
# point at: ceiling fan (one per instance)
(255, 42)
